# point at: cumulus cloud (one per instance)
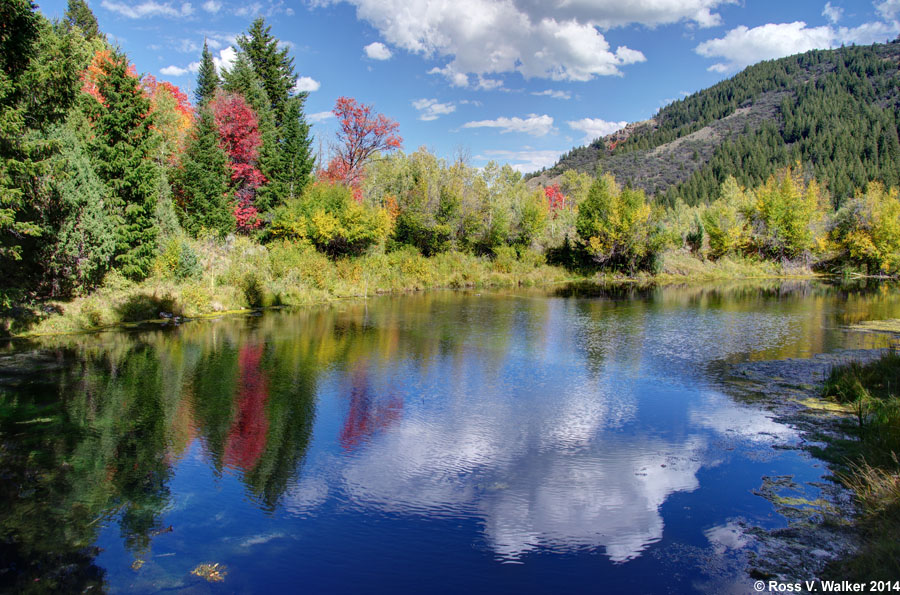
(173, 71)
(319, 117)
(150, 8)
(555, 94)
(430, 109)
(306, 84)
(832, 13)
(558, 40)
(889, 9)
(595, 127)
(211, 6)
(533, 124)
(225, 59)
(377, 51)
(743, 46)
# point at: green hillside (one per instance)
(835, 111)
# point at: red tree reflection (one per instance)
(247, 437)
(367, 414)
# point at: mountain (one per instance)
(835, 111)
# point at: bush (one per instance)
(616, 228)
(726, 222)
(328, 217)
(867, 230)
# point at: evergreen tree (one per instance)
(79, 14)
(85, 237)
(123, 150)
(202, 181)
(272, 65)
(285, 156)
(39, 78)
(207, 78)
(295, 160)
(18, 39)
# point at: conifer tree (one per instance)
(79, 14)
(123, 150)
(286, 156)
(203, 179)
(18, 38)
(295, 160)
(207, 78)
(272, 64)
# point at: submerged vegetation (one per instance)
(872, 391)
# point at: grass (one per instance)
(194, 278)
(239, 274)
(872, 469)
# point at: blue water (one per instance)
(521, 442)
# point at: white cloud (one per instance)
(595, 127)
(488, 84)
(534, 124)
(225, 59)
(431, 110)
(832, 13)
(211, 6)
(307, 84)
(524, 161)
(557, 40)
(319, 117)
(555, 94)
(149, 8)
(377, 51)
(173, 71)
(889, 9)
(742, 46)
(249, 10)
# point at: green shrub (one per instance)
(867, 229)
(328, 217)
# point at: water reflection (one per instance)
(559, 423)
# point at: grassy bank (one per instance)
(193, 278)
(871, 467)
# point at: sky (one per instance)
(514, 81)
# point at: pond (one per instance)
(566, 439)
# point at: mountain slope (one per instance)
(836, 111)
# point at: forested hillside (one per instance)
(835, 111)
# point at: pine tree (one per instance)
(286, 155)
(18, 39)
(272, 65)
(203, 179)
(295, 163)
(79, 14)
(207, 78)
(123, 147)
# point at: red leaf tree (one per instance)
(362, 133)
(556, 200)
(239, 137)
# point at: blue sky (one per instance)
(516, 81)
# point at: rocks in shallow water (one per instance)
(214, 573)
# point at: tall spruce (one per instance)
(202, 181)
(272, 64)
(286, 160)
(123, 147)
(296, 161)
(207, 78)
(79, 14)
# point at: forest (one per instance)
(121, 197)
